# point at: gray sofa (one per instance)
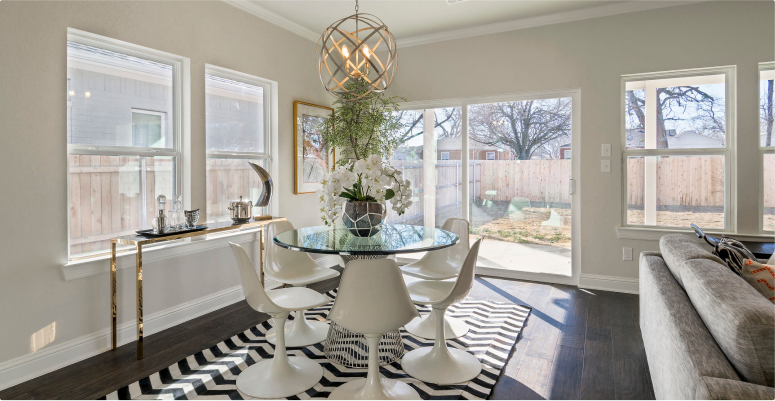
(707, 333)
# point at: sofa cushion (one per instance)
(679, 348)
(741, 321)
(678, 248)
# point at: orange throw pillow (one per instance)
(761, 277)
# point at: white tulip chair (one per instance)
(440, 364)
(373, 300)
(297, 269)
(281, 376)
(440, 265)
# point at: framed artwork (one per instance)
(311, 160)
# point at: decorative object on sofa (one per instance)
(161, 223)
(349, 52)
(761, 277)
(240, 210)
(266, 193)
(367, 182)
(734, 253)
(312, 160)
(192, 216)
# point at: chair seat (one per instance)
(297, 298)
(317, 274)
(430, 271)
(429, 292)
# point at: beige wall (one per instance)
(33, 245)
(592, 55)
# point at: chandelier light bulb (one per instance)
(366, 51)
(345, 52)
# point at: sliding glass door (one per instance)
(520, 167)
(506, 165)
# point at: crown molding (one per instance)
(273, 18)
(524, 23)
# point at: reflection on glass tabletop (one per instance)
(392, 239)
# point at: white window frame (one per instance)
(487, 155)
(180, 109)
(730, 187)
(161, 114)
(270, 105)
(444, 155)
(763, 150)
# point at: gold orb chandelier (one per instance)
(348, 57)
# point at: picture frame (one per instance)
(311, 162)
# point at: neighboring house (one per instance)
(636, 139)
(565, 152)
(451, 149)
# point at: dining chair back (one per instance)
(254, 292)
(284, 265)
(465, 280)
(444, 263)
(372, 300)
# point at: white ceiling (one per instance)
(424, 21)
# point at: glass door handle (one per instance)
(571, 186)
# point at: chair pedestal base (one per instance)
(388, 389)
(263, 380)
(425, 327)
(437, 366)
(300, 332)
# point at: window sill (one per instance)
(100, 264)
(654, 234)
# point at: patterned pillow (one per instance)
(734, 253)
(761, 277)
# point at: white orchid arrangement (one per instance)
(365, 180)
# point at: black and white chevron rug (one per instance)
(212, 373)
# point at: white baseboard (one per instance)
(47, 360)
(609, 283)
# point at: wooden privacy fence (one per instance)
(537, 180)
(680, 181)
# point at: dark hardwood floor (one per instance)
(577, 344)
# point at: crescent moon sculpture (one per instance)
(266, 180)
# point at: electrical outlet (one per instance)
(626, 253)
(606, 150)
(605, 166)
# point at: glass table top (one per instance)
(392, 239)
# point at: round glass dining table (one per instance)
(343, 346)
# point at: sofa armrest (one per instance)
(713, 388)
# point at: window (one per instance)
(237, 123)
(678, 143)
(444, 155)
(490, 156)
(123, 150)
(767, 144)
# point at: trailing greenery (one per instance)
(363, 127)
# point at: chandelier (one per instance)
(347, 57)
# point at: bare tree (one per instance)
(767, 114)
(672, 101)
(447, 120)
(524, 127)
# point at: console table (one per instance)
(138, 241)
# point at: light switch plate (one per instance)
(605, 166)
(626, 253)
(606, 150)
